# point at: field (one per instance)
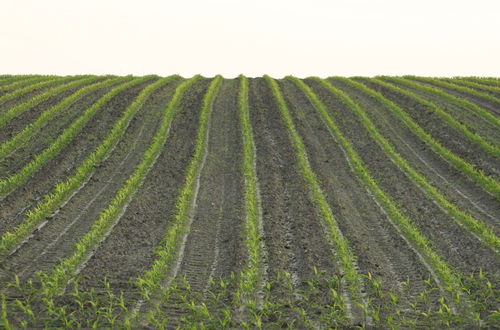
(150, 202)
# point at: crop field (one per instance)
(170, 202)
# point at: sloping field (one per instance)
(149, 202)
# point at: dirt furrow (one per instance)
(293, 232)
(57, 238)
(15, 205)
(452, 241)
(447, 136)
(18, 123)
(474, 122)
(213, 244)
(491, 106)
(379, 248)
(24, 152)
(454, 184)
(130, 248)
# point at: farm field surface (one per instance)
(171, 202)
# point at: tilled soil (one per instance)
(130, 249)
(14, 207)
(451, 182)
(447, 136)
(493, 107)
(474, 123)
(18, 123)
(57, 238)
(293, 232)
(453, 242)
(25, 152)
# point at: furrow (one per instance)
(492, 102)
(484, 233)
(51, 166)
(465, 155)
(343, 125)
(430, 163)
(169, 254)
(343, 256)
(63, 190)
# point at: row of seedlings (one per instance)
(252, 277)
(448, 280)
(468, 105)
(158, 278)
(25, 86)
(12, 182)
(8, 147)
(65, 190)
(18, 109)
(479, 229)
(445, 116)
(451, 86)
(343, 255)
(474, 85)
(484, 181)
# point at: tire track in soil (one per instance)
(14, 206)
(491, 106)
(25, 152)
(455, 185)
(130, 248)
(214, 243)
(446, 135)
(452, 241)
(214, 246)
(293, 232)
(379, 248)
(473, 121)
(18, 123)
(57, 238)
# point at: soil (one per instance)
(18, 123)
(493, 107)
(293, 232)
(379, 248)
(452, 242)
(130, 249)
(444, 134)
(452, 183)
(14, 207)
(56, 240)
(41, 139)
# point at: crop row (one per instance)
(16, 110)
(157, 278)
(468, 105)
(454, 87)
(474, 85)
(445, 116)
(483, 231)
(22, 87)
(476, 175)
(15, 180)
(253, 271)
(63, 190)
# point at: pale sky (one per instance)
(229, 37)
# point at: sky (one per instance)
(229, 37)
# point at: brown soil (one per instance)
(447, 136)
(15, 205)
(56, 240)
(293, 233)
(16, 124)
(130, 249)
(454, 243)
(379, 248)
(25, 152)
(451, 182)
